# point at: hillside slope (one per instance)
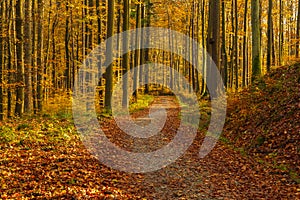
(264, 121)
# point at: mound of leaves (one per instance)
(264, 121)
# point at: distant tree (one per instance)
(10, 58)
(270, 35)
(224, 52)
(28, 102)
(34, 55)
(137, 51)
(236, 49)
(67, 73)
(125, 63)
(40, 55)
(1, 59)
(298, 31)
(147, 52)
(281, 33)
(245, 44)
(20, 59)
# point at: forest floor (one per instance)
(257, 157)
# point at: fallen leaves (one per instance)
(52, 163)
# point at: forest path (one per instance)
(51, 169)
(223, 174)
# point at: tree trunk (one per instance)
(40, 64)
(236, 50)
(270, 36)
(214, 42)
(109, 55)
(142, 54)
(224, 52)
(204, 71)
(20, 59)
(256, 40)
(281, 34)
(245, 49)
(28, 103)
(125, 63)
(147, 52)
(99, 23)
(2, 17)
(67, 52)
(137, 51)
(298, 32)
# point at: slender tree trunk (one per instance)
(204, 71)
(236, 50)
(119, 46)
(147, 52)
(9, 58)
(256, 40)
(99, 23)
(2, 8)
(232, 45)
(224, 52)
(214, 42)
(90, 27)
(20, 59)
(125, 63)
(34, 55)
(298, 31)
(142, 54)
(109, 55)
(73, 58)
(83, 24)
(270, 36)
(28, 103)
(245, 38)
(40, 64)
(171, 47)
(281, 34)
(137, 52)
(47, 86)
(67, 52)
(54, 65)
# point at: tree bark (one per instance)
(298, 32)
(40, 64)
(245, 49)
(28, 103)
(256, 40)
(137, 51)
(270, 36)
(109, 55)
(281, 34)
(20, 59)
(224, 52)
(2, 7)
(125, 63)
(214, 42)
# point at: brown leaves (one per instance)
(49, 165)
(267, 125)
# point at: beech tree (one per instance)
(256, 42)
(2, 8)
(109, 54)
(126, 57)
(20, 59)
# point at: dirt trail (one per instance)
(223, 174)
(68, 171)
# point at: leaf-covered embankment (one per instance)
(264, 121)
